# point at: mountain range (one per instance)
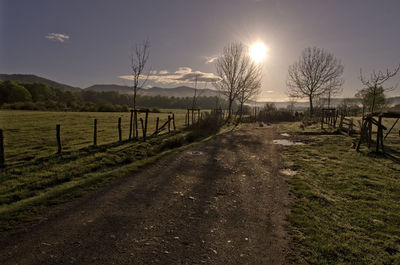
(181, 91)
(24, 78)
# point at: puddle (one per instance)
(288, 172)
(195, 152)
(287, 142)
(285, 134)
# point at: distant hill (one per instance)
(181, 91)
(37, 79)
(109, 88)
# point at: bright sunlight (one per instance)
(258, 52)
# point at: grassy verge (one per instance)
(27, 191)
(346, 208)
(30, 135)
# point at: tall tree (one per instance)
(231, 68)
(314, 74)
(139, 58)
(249, 85)
(373, 93)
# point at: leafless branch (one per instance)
(314, 74)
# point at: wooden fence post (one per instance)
(130, 126)
(58, 135)
(2, 158)
(136, 125)
(173, 121)
(157, 121)
(322, 120)
(169, 124)
(198, 116)
(341, 122)
(95, 132)
(336, 117)
(145, 124)
(369, 133)
(350, 127)
(120, 130)
(144, 136)
(188, 121)
(378, 134)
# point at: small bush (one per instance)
(172, 142)
(155, 110)
(209, 125)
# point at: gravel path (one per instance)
(221, 202)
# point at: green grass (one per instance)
(347, 204)
(30, 135)
(30, 186)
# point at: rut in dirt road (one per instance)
(223, 201)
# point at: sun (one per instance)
(258, 51)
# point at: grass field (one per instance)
(35, 176)
(346, 208)
(31, 134)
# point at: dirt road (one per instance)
(221, 202)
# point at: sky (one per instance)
(87, 42)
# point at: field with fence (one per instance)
(29, 135)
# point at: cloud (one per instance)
(59, 37)
(210, 59)
(180, 76)
(183, 70)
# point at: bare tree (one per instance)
(314, 74)
(139, 57)
(374, 90)
(249, 85)
(231, 67)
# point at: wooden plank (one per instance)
(394, 124)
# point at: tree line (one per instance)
(39, 96)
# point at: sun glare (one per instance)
(258, 51)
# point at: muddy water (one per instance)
(287, 142)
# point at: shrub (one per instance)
(155, 110)
(209, 125)
(172, 142)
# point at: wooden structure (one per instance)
(166, 125)
(169, 125)
(329, 117)
(366, 129)
(346, 125)
(192, 115)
